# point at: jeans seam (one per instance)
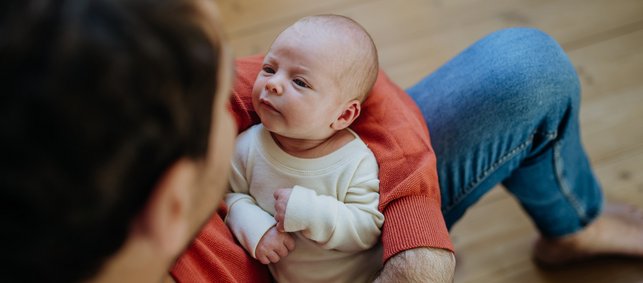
(470, 188)
(564, 186)
(549, 135)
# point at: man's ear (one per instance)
(165, 220)
(351, 111)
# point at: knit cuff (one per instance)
(414, 222)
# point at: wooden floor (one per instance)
(605, 42)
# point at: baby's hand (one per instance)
(281, 201)
(274, 246)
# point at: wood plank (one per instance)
(611, 65)
(622, 178)
(249, 16)
(491, 239)
(611, 125)
(610, 116)
(613, 270)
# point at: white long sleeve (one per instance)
(332, 210)
(352, 224)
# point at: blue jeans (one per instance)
(505, 110)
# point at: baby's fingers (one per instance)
(289, 242)
(282, 251)
(273, 256)
(263, 259)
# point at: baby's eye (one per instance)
(301, 83)
(268, 70)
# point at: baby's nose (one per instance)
(274, 87)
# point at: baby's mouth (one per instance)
(268, 105)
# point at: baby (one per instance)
(304, 186)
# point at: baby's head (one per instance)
(349, 48)
(315, 76)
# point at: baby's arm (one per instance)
(255, 229)
(249, 223)
(351, 225)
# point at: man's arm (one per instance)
(419, 265)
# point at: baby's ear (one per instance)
(346, 118)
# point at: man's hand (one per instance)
(419, 265)
(274, 246)
(281, 202)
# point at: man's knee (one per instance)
(531, 66)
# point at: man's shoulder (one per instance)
(248, 67)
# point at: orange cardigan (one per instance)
(393, 128)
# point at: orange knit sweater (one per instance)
(393, 128)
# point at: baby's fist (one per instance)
(274, 246)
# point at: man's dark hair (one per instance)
(98, 99)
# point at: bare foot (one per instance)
(617, 231)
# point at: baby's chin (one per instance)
(299, 136)
(269, 126)
(277, 127)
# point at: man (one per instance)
(117, 149)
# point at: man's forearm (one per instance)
(419, 265)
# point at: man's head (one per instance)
(111, 128)
(315, 76)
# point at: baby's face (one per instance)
(297, 93)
